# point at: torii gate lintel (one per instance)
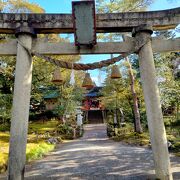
(9, 48)
(105, 23)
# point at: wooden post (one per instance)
(20, 109)
(153, 106)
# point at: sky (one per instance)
(64, 6)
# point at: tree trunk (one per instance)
(122, 116)
(177, 111)
(138, 127)
(122, 120)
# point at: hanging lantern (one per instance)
(57, 78)
(115, 73)
(87, 82)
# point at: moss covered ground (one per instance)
(126, 134)
(36, 146)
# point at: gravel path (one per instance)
(95, 157)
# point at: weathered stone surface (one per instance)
(153, 110)
(47, 48)
(112, 22)
(20, 110)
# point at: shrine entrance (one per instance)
(92, 107)
(84, 23)
(95, 117)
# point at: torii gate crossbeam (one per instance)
(111, 22)
(9, 48)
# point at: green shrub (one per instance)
(127, 135)
(168, 120)
(34, 151)
(171, 138)
(41, 127)
(37, 151)
(79, 131)
(65, 130)
(35, 148)
(176, 123)
(3, 162)
(177, 154)
(176, 147)
(5, 127)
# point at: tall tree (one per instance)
(21, 6)
(112, 6)
(42, 71)
(109, 6)
(137, 123)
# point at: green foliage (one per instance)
(5, 127)
(113, 92)
(112, 6)
(42, 127)
(6, 86)
(36, 151)
(4, 147)
(42, 71)
(166, 68)
(5, 107)
(35, 148)
(117, 94)
(167, 83)
(3, 162)
(70, 97)
(126, 97)
(127, 135)
(177, 122)
(21, 6)
(176, 146)
(168, 120)
(173, 136)
(65, 130)
(60, 109)
(116, 6)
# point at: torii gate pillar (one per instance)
(20, 109)
(153, 105)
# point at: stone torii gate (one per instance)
(141, 24)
